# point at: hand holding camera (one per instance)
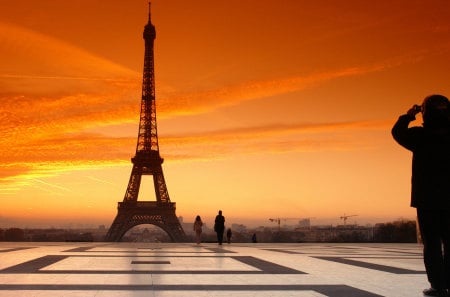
(414, 110)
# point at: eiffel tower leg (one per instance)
(176, 231)
(115, 232)
(158, 214)
(134, 184)
(162, 195)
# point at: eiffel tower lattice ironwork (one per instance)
(147, 161)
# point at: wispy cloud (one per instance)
(52, 92)
(55, 186)
(101, 180)
(274, 139)
(203, 101)
(32, 55)
(84, 151)
(206, 101)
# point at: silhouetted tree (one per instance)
(42, 237)
(406, 231)
(281, 236)
(353, 236)
(399, 231)
(14, 234)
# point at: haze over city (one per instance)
(266, 109)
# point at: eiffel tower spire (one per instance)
(148, 132)
(147, 161)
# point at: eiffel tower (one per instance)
(147, 161)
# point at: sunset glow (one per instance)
(265, 108)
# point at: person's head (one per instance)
(436, 111)
(220, 212)
(198, 218)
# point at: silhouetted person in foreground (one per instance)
(229, 234)
(198, 224)
(219, 227)
(430, 192)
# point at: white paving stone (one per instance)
(241, 270)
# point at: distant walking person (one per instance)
(254, 238)
(198, 224)
(229, 234)
(219, 227)
(430, 192)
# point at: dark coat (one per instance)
(430, 183)
(219, 223)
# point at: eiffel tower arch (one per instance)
(147, 161)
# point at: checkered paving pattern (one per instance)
(209, 270)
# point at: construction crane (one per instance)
(345, 217)
(278, 220)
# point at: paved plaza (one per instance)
(206, 270)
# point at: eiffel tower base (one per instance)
(131, 214)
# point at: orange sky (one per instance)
(266, 109)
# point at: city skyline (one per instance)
(265, 109)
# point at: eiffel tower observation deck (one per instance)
(147, 161)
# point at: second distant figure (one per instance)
(229, 234)
(219, 227)
(198, 224)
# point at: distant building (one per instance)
(238, 228)
(304, 223)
